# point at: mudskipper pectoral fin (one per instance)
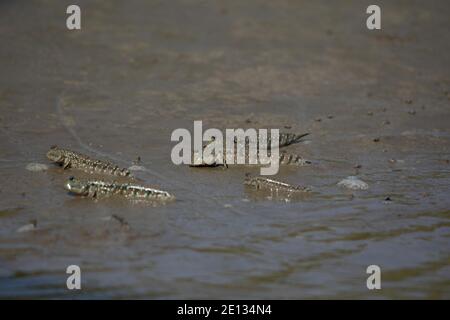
(92, 194)
(66, 165)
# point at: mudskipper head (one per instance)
(76, 186)
(55, 154)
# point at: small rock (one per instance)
(138, 160)
(357, 166)
(386, 122)
(412, 112)
(330, 116)
(288, 127)
(408, 101)
(387, 200)
(28, 227)
(353, 183)
(136, 168)
(318, 119)
(370, 113)
(36, 167)
(376, 140)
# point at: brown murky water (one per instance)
(140, 69)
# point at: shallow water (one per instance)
(135, 72)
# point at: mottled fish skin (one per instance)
(75, 160)
(285, 158)
(265, 183)
(285, 139)
(213, 162)
(98, 188)
(293, 159)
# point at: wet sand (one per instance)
(376, 105)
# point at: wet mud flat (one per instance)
(376, 105)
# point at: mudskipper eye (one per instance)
(71, 178)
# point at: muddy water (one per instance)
(376, 104)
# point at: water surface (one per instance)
(138, 70)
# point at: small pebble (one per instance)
(353, 183)
(36, 167)
(138, 160)
(387, 200)
(136, 168)
(318, 119)
(28, 227)
(412, 112)
(370, 113)
(376, 140)
(386, 122)
(330, 116)
(408, 101)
